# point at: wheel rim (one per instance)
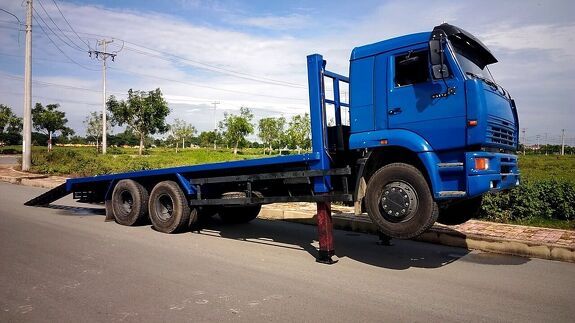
(127, 201)
(164, 207)
(398, 202)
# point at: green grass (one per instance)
(541, 167)
(85, 161)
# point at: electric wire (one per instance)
(59, 49)
(58, 27)
(13, 15)
(69, 25)
(50, 28)
(206, 86)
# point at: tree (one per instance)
(299, 131)
(49, 120)
(143, 112)
(10, 126)
(207, 138)
(9, 122)
(235, 128)
(271, 131)
(94, 127)
(181, 131)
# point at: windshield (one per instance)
(470, 59)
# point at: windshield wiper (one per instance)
(486, 80)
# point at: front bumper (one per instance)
(502, 173)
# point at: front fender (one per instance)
(395, 137)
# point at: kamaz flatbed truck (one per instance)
(429, 133)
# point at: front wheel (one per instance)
(399, 201)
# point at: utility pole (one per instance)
(103, 55)
(524, 140)
(27, 115)
(215, 103)
(562, 142)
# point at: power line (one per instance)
(58, 27)
(13, 15)
(68, 23)
(204, 65)
(52, 99)
(280, 82)
(218, 68)
(70, 87)
(175, 59)
(207, 86)
(59, 49)
(52, 30)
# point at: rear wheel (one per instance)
(238, 214)
(168, 208)
(399, 201)
(129, 202)
(460, 211)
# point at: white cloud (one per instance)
(529, 53)
(557, 38)
(287, 22)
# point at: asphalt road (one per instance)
(66, 264)
(9, 159)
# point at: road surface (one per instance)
(66, 264)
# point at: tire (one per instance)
(460, 212)
(412, 210)
(129, 202)
(168, 208)
(238, 214)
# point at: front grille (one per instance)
(500, 132)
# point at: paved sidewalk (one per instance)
(487, 236)
(10, 173)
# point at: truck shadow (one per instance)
(364, 248)
(361, 247)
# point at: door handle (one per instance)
(394, 111)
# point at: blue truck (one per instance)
(426, 133)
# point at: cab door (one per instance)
(416, 102)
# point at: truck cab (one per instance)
(428, 100)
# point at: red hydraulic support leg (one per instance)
(325, 230)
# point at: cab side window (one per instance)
(411, 68)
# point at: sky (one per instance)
(252, 53)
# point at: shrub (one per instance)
(548, 199)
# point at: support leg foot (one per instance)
(384, 240)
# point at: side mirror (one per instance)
(435, 51)
(440, 71)
(438, 67)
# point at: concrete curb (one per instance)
(42, 181)
(438, 234)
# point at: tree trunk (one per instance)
(177, 143)
(271, 149)
(183, 143)
(97, 147)
(49, 140)
(141, 144)
(236, 148)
